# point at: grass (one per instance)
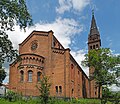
(3, 101)
(54, 101)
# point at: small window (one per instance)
(72, 66)
(93, 46)
(54, 44)
(56, 88)
(72, 91)
(96, 46)
(38, 76)
(60, 89)
(90, 47)
(95, 93)
(21, 75)
(78, 74)
(30, 73)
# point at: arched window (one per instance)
(93, 46)
(72, 66)
(72, 90)
(90, 47)
(60, 89)
(56, 88)
(72, 71)
(96, 46)
(30, 75)
(38, 76)
(21, 75)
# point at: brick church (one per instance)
(42, 54)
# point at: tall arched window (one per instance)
(30, 73)
(72, 71)
(38, 76)
(21, 75)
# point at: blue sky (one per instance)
(70, 20)
(106, 13)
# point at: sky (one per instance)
(70, 21)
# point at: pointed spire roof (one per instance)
(93, 28)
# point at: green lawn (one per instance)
(3, 101)
(54, 101)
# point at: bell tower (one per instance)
(94, 41)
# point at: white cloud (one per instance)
(6, 67)
(79, 5)
(64, 5)
(79, 56)
(7, 77)
(63, 29)
(114, 88)
(67, 5)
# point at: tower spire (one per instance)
(94, 41)
(93, 28)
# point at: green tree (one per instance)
(106, 67)
(44, 89)
(2, 75)
(106, 94)
(12, 12)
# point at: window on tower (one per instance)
(96, 46)
(93, 46)
(30, 73)
(90, 47)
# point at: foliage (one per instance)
(2, 75)
(106, 66)
(89, 101)
(3, 101)
(12, 12)
(44, 89)
(12, 96)
(113, 97)
(55, 101)
(106, 95)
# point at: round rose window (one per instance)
(34, 46)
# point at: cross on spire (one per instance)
(92, 12)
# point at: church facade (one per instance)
(42, 54)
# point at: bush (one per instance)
(13, 96)
(89, 101)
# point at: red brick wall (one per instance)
(53, 61)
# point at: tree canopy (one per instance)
(12, 12)
(107, 66)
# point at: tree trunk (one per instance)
(99, 87)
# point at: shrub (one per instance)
(13, 96)
(44, 89)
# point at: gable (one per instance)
(35, 42)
